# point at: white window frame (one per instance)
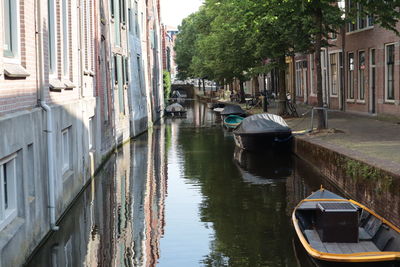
(298, 85)
(386, 73)
(65, 150)
(348, 97)
(357, 28)
(15, 58)
(372, 66)
(359, 100)
(52, 39)
(336, 55)
(9, 213)
(65, 36)
(325, 75)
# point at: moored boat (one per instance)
(233, 121)
(233, 110)
(333, 229)
(263, 131)
(175, 109)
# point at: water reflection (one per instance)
(182, 196)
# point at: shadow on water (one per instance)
(181, 195)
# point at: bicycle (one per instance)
(292, 111)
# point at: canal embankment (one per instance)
(360, 155)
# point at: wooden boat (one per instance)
(333, 229)
(262, 132)
(233, 121)
(175, 110)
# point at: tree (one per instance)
(322, 17)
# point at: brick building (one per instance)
(77, 78)
(360, 71)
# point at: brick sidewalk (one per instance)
(361, 137)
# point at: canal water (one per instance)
(182, 195)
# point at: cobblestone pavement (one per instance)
(361, 137)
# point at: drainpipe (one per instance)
(49, 120)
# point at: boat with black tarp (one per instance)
(263, 131)
(336, 230)
(233, 110)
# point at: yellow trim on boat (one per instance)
(350, 257)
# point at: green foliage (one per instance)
(167, 85)
(231, 39)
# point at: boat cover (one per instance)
(324, 194)
(176, 107)
(262, 123)
(232, 109)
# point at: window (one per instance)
(137, 19)
(122, 10)
(389, 72)
(65, 151)
(350, 94)
(298, 78)
(52, 36)
(65, 32)
(112, 8)
(10, 20)
(131, 29)
(119, 79)
(341, 71)
(312, 67)
(362, 20)
(334, 73)
(8, 190)
(361, 75)
(126, 70)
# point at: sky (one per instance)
(173, 11)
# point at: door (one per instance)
(372, 81)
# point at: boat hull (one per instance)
(264, 141)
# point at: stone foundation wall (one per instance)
(370, 185)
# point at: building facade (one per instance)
(360, 71)
(77, 78)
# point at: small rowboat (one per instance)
(233, 121)
(334, 229)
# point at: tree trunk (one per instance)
(204, 87)
(199, 85)
(293, 94)
(242, 96)
(281, 102)
(318, 42)
(256, 85)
